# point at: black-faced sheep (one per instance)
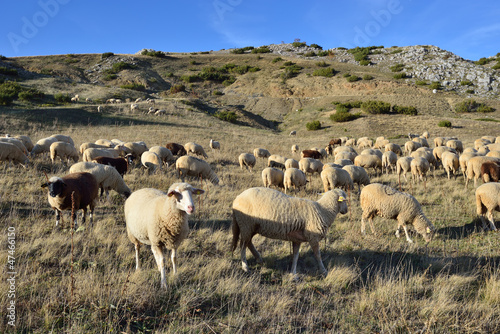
(272, 214)
(161, 220)
(380, 200)
(75, 190)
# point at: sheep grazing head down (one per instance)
(182, 193)
(342, 203)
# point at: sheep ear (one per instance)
(197, 191)
(173, 193)
(428, 230)
(341, 198)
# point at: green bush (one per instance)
(322, 64)
(324, 72)
(405, 110)
(8, 71)
(217, 93)
(8, 92)
(62, 98)
(396, 51)
(109, 77)
(299, 44)
(421, 83)
(376, 107)
(277, 59)
(242, 50)
(399, 75)
(107, 55)
(177, 89)
(471, 105)
(466, 83)
(324, 53)
(288, 63)
(364, 62)
(397, 68)
(291, 71)
(483, 61)
(228, 116)
(30, 95)
(346, 75)
(310, 54)
(342, 108)
(444, 124)
(352, 78)
(316, 46)
(435, 85)
(367, 77)
(484, 108)
(229, 81)
(262, 49)
(496, 66)
(134, 86)
(470, 91)
(314, 125)
(344, 116)
(153, 53)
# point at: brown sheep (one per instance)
(176, 149)
(120, 164)
(311, 154)
(490, 171)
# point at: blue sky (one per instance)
(471, 29)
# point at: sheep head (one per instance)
(56, 186)
(182, 193)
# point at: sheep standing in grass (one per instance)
(311, 166)
(176, 149)
(291, 163)
(191, 166)
(247, 160)
(346, 156)
(419, 167)
(151, 161)
(120, 164)
(394, 148)
(214, 145)
(272, 177)
(195, 149)
(26, 140)
(295, 178)
(12, 153)
(451, 163)
(42, 146)
(275, 215)
(134, 148)
(369, 161)
(261, 153)
(107, 177)
(92, 153)
(389, 159)
(295, 148)
(87, 145)
(487, 201)
(380, 200)
(16, 142)
(164, 153)
(463, 159)
(403, 166)
(358, 175)
(161, 220)
(490, 171)
(474, 168)
(411, 146)
(336, 178)
(76, 191)
(63, 150)
(438, 152)
(456, 145)
(64, 138)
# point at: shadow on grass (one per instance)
(460, 232)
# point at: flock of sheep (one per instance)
(160, 219)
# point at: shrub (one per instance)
(342, 108)
(397, 68)
(470, 91)
(228, 116)
(120, 66)
(316, 46)
(484, 108)
(466, 83)
(288, 63)
(217, 93)
(352, 78)
(483, 61)
(277, 59)
(496, 66)
(421, 83)
(107, 55)
(229, 81)
(153, 53)
(399, 75)
(344, 116)
(322, 64)
(405, 110)
(109, 77)
(62, 98)
(471, 105)
(396, 51)
(367, 77)
(262, 49)
(8, 92)
(177, 89)
(324, 53)
(134, 86)
(310, 54)
(376, 107)
(8, 71)
(364, 62)
(435, 85)
(314, 125)
(30, 95)
(299, 44)
(291, 71)
(324, 72)
(444, 124)
(242, 50)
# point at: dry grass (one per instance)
(375, 283)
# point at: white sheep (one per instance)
(422, 141)
(42, 146)
(425, 134)
(411, 146)
(474, 168)
(358, 175)
(293, 133)
(107, 177)
(394, 148)
(380, 200)
(374, 151)
(389, 159)
(343, 162)
(295, 148)
(11, 153)
(151, 161)
(195, 149)
(350, 142)
(92, 153)
(291, 163)
(105, 142)
(134, 107)
(134, 148)
(481, 142)
(161, 220)
(160, 112)
(164, 153)
(64, 138)
(100, 109)
(425, 152)
(339, 149)
(247, 160)
(487, 201)
(450, 163)
(419, 167)
(311, 166)
(87, 145)
(275, 215)
(463, 159)
(191, 166)
(214, 145)
(16, 142)
(261, 153)
(456, 145)
(336, 178)
(295, 178)
(63, 150)
(403, 166)
(272, 177)
(26, 140)
(369, 161)
(438, 152)
(344, 155)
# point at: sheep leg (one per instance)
(173, 258)
(254, 251)
(398, 232)
(317, 255)
(243, 252)
(58, 217)
(295, 247)
(406, 233)
(491, 220)
(137, 261)
(160, 261)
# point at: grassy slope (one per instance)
(375, 283)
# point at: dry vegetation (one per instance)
(86, 281)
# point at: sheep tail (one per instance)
(236, 234)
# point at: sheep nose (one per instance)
(190, 209)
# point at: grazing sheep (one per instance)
(64, 138)
(490, 171)
(295, 148)
(403, 166)
(105, 142)
(331, 164)
(350, 142)
(11, 153)
(26, 140)
(463, 159)
(293, 133)
(450, 163)
(380, 200)
(151, 161)
(191, 166)
(421, 141)
(309, 165)
(412, 135)
(92, 153)
(275, 215)
(278, 158)
(425, 134)
(438, 152)
(164, 153)
(394, 148)
(261, 153)
(381, 142)
(440, 141)
(426, 153)
(389, 159)
(311, 154)
(134, 148)
(214, 145)
(419, 167)
(346, 156)
(334, 142)
(369, 161)
(322, 151)
(247, 160)
(275, 164)
(487, 201)
(160, 219)
(364, 142)
(42, 146)
(107, 177)
(85, 146)
(456, 145)
(369, 151)
(493, 147)
(491, 139)
(176, 149)
(291, 163)
(411, 146)
(195, 149)
(494, 154)
(272, 177)
(160, 112)
(74, 191)
(295, 178)
(474, 168)
(120, 164)
(336, 178)
(343, 162)
(480, 142)
(64, 151)
(358, 175)
(15, 142)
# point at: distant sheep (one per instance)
(463, 159)
(422, 141)
(369, 161)
(107, 177)
(488, 201)
(411, 146)
(336, 178)
(380, 200)
(65, 152)
(176, 149)
(105, 142)
(275, 161)
(11, 153)
(295, 178)
(295, 148)
(450, 163)
(214, 145)
(275, 215)
(261, 153)
(195, 149)
(161, 220)
(358, 175)
(293, 133)
(346, 155)
(191, 166)
(389, 159)
(272, 177)
(76, 191)
(247, 160)
(311, 154)
(134, 148)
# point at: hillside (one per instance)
(278, 90)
